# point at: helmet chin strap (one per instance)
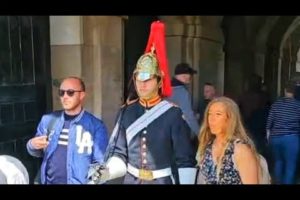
(150, 96)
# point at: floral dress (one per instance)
(228, 173)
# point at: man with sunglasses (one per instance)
(69, 140)
(150, 131)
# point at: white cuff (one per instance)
(116, 167)
(187, 175)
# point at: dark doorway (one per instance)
(137, 29)
(25, 83)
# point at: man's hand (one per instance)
(39, 142)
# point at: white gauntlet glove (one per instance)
(99, 174)
(187, 175)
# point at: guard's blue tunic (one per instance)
(165, 141)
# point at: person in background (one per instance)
(181, 95)
(283, 133)
(209, 93)
(254, 104)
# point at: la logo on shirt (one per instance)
(83, 140)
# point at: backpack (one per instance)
(263, 170)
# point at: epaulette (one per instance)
(129, 102)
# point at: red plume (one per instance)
(157, 39)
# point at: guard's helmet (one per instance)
(154, 62)
(146, 67)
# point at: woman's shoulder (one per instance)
(242, 150)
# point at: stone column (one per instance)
(211, 56)
(197, 40)
(103, 65)
(90, 47)
(182, 47)
(66, 41)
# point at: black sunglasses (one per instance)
(69, 92)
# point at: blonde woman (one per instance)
(226, 154)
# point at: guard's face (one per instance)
(148, 88)
(217, 118)
(71, 95)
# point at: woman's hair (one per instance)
(132, 94)
(235, 128)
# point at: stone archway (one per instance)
(197, 40)
(289, 47)
(260, 44)
(274, 61)
(297, 64)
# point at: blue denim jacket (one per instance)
(88, 140)
(182, 98)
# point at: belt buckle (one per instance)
(145, 174)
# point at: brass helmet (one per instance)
(146, 67)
